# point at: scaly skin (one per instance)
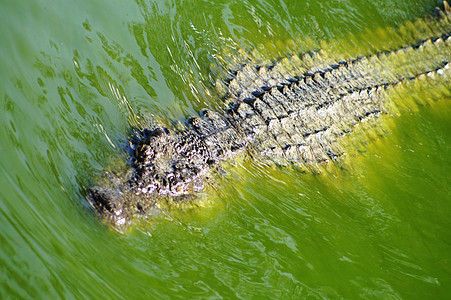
(296, 111)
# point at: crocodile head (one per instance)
(166, 169)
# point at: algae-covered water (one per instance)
(76, 75)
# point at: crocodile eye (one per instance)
(194, 121)
(206, 113)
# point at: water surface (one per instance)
(76, 75)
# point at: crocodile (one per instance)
(295, 111)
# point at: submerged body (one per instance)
(296, 111)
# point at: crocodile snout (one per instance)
(108, 202)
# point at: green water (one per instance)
(74, 75)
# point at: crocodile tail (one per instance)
(252, 75)
(298, 110)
